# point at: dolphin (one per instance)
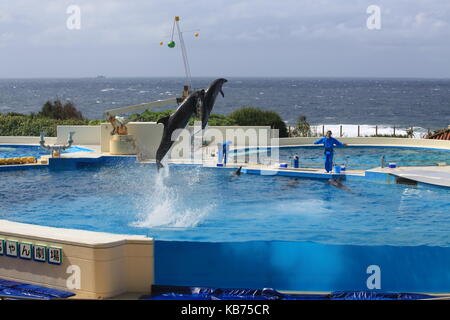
(237, 172)
(210, 98)
(177, 120)
(338, 184)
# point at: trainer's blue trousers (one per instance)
(329, 161)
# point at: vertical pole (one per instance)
(394, 131)
(187, 69)
(340, 133)
(376, 130)
(323, 130)
(358, 130)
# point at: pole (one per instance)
(187, 69)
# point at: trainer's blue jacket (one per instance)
(329, 143)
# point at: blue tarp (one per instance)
(204, 293)
(16, 289)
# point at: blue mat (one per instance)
(203, 293)
(20, 290)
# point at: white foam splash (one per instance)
(165, 206)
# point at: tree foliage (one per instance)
(249, 116)
(60, 111)
(302, 128)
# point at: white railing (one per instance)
(353, 130)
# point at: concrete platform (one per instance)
(436, 175)
(310, 173)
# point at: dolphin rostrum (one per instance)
(177, 120)
(210, 98)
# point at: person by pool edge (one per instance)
(329, 142)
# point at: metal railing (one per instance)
(375, 130)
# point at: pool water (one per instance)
(207, 204)
(359, 157)
(14, 151)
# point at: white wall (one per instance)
(373, 141)
(25, 140)
(84, 135)
(240, 135)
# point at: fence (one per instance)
(366, 131)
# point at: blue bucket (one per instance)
(296, 162)
(392, 165)
(337, 169)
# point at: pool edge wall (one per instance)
(94, 265)
(302, 266)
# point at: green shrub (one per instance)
(215, 120)
(302, 129)
(389, 136)
(58, 110)
(255, 117)
(96, 122)
(149, 116)
(55, 113)
(23, 125)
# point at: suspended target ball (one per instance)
(171, 44)
(161, 43)
(195, 34)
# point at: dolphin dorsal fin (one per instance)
(164, 120)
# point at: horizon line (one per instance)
(229, 76)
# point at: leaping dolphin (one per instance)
(177, 120)
(210, 98)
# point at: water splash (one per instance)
(167, 204)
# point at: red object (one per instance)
(442, 135)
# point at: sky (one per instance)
(248, 38)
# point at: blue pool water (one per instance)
(357, 157)
(15, 151)
(199, 204)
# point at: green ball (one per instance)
(171, 44)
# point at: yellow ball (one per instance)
(161, 43)
(196, 34)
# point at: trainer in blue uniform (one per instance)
(329, 142)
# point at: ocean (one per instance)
(422, 103)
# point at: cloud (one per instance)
(319, 31)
